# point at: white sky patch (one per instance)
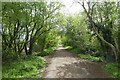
(71, 7)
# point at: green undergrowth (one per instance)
(25, 67)
(68, 47)
(84, 56)
(91, 58)
(46, 52)
(113, 69)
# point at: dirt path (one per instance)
(64, 65)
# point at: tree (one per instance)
(13, 22)
(24, 23)
(101, 19)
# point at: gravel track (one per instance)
(64, 65)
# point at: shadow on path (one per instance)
(64, 65)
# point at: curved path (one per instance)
(64, 65)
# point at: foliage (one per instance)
(28, 27)
(68, 47)
(25, 23)
(79, 37)
(102, 21)
(75, 50)
(39, 27)
(87, 56)
(113, 69)
(48, 40)
(26, 67)
(46, 52)
(91, 58)
(93, 30)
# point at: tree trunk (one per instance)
(26, 39)
(110, 45)
(31, 46)
(25, 47)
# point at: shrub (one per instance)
(113, 69)
(92, 58)
(27, 67)
(46, 52)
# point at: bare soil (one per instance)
(64, 65)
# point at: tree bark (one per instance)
(31, 46)
(94, 25)
(112, 47)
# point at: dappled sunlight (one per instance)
(81, 69)
(62, 38)
(64, 65)
(60, 48)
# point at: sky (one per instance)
(71, 7)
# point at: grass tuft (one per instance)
(27, 67)
(46, 52)
(113, 69)
(91, 58)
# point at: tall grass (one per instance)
(27, 67)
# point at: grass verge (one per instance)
(46, 52)
(91, 58)
(113, 69)
(84, 56)
(26, 67)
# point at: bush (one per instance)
(46, 52)
(27, 67)
(92, 58)
(113, 69)
(76, 51)
(68, 47)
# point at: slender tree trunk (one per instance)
(26, 39)
(31, 47)
(25, 47)
(110, 45)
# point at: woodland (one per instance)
(33, 30)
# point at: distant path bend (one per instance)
(64, 65)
